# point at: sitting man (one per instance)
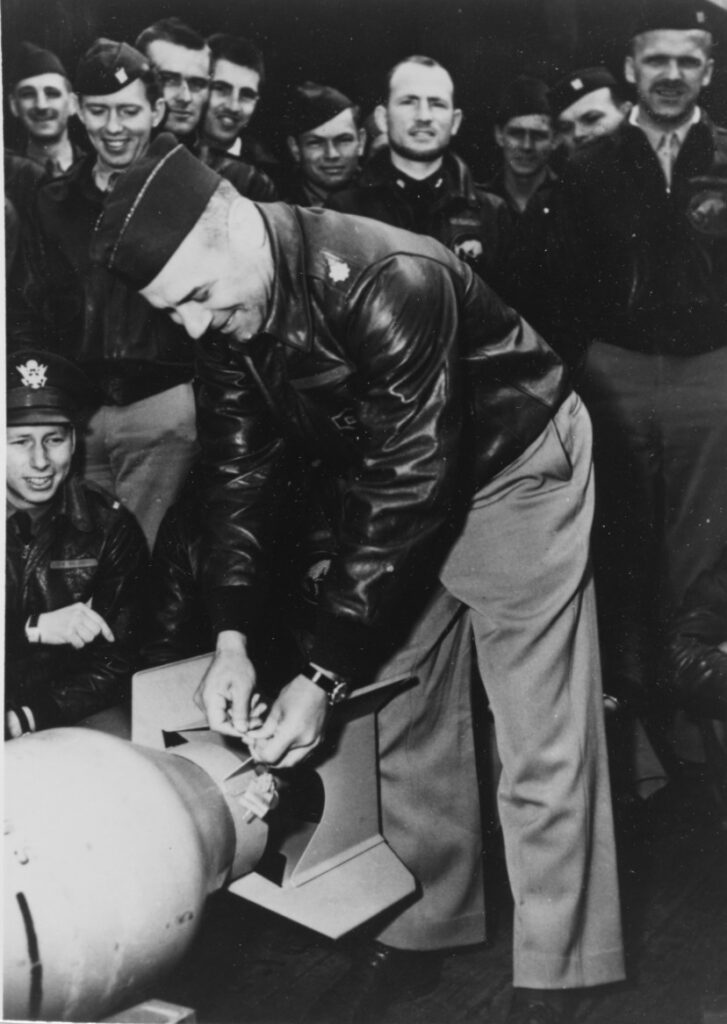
(76, 560)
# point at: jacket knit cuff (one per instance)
(345, 647)
(233, 608)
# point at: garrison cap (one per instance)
(652, 15)
(578, 84)
(150, 211)
(33, 60)
(42, 387)
(108, 66)
(312, 105)
(523, 96)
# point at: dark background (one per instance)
(352, 43)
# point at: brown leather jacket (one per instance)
(386, 359)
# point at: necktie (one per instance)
(667, 153)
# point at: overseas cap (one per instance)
(42, 387)
(33, 60)
(580, 83)
(108, 66)
(522, 97)
(151, 210)
(312, 105)
(671, 14)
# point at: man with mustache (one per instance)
(42, 100)
(644, 225)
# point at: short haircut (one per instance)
(701, 35)
(416, 58)
(170, 30)
(237, 50)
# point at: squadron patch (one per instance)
(338, 269)
(707, 212)
(33, 374)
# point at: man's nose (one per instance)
(673, 71)
(331, 150)
(113, 123)
(183, 92)
(424, 111)
(193, 318)
(38, 457)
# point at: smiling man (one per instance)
(75, 559)
(417, 182)
(379, 358)
(325, 141)
(142, 440)
(182, 60)
(524, 133)
(645, 282)
(42, 100)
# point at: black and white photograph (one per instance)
(366, 511)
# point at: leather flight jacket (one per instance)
(387, 361)
(87, 547)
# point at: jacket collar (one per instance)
(74, 505)
(457, 175)
(289, 318)
(695, 155)
(78, 178)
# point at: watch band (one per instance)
(336, 689)
(32, 632)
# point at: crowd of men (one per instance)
(328, 413)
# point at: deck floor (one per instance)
(249, 966)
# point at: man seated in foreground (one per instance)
(76, 560)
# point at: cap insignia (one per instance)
(33, 374)
(701, 17)
(576, 83)
(338, 270)
(121, 75)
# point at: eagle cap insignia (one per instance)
(338, 269)
(33, 374)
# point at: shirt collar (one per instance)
(655, 135)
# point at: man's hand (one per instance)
(76, 624)
(226, 691)
(294, 727)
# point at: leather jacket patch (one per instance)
(707, 211)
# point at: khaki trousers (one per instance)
(518, 582)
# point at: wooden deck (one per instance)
(251, 967)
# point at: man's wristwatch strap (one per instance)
(32, 632)
(336, 689)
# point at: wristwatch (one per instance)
(336, 689)
(32, 632)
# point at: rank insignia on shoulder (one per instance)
(338, 269)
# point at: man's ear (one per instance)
(14, 107)
(499, 138)
(294, 148)
(456, 120)
(73, 439)
(361, 141)
(380, 118)
(629, 73)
